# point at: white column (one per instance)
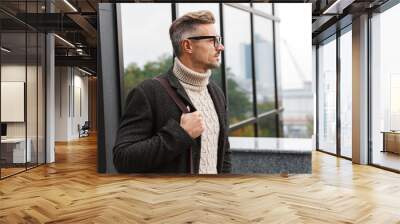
(360, 90)
(50, 98)
(63, 102)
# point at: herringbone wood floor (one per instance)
(70, 191)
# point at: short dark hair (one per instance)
(185, 25)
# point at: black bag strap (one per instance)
(172, 94)
(178, 101)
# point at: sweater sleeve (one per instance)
(137, 149)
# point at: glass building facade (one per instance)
(250, 75)
(336, 76)
(334, 62)
(385, 89)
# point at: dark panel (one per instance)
(108, 87)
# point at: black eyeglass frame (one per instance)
(217, 39)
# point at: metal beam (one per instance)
(331, 30)
(318, 24)
(84, 24)
(49, 22)
(338, 6)
(85, 61)
(254, 11)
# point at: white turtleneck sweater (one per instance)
(195, 85)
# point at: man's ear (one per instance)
(187, 46)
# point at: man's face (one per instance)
(206, 52)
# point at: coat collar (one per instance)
(175, 84)
(218, 105)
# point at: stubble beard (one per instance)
(214, 65)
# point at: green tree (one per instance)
(135, 75)
(239, 103)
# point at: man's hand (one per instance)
(193, 124)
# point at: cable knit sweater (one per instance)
(195, 85)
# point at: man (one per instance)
(154, 136)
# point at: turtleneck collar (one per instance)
(188, 76)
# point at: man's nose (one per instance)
(220, 47)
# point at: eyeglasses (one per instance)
(217, 39)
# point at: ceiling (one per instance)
(76, 29)
(329, 16)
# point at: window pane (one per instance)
(327, 96)
(32, 101)
(238, 64)
(267, 126)
(385, 86)
(13, 85)
(264, 64)
(247, 131)
(294, 68)
(41, 98)
(146, 44)
(264, 7)
(184, 8)
(346, 94)
(32, 90)
(244, 4)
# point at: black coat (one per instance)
(150, 138)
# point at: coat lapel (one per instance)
(174, 82)
(219, 107)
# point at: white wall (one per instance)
(71, 94)
(80, 110)
(33, 125)
(62, 81)
(12, 73)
